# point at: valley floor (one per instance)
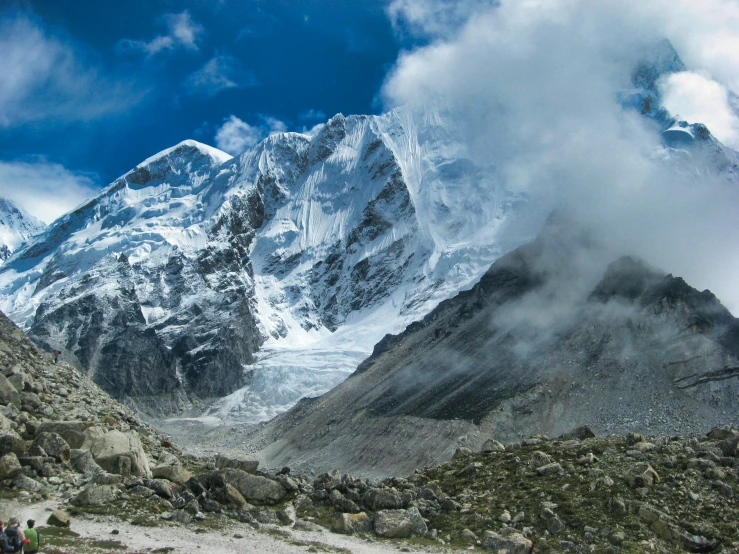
(95, 531)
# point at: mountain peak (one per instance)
(16, 227)
(218, 156)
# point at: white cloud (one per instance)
(44, 78)
(531, 87)
(45, 190)
(236, 136)
(218, 74)
(434, 17)
(183, 33)
(699, 99)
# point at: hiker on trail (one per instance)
(15, 536)
(33, 538)
(3, 537)
(57, 353)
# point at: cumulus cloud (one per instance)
(183, 32)
(46, 190)
(312, 115)
(218, 74)
(236, 136)
(532, 88)
(46, 78)
(434, 17)
(696, 97)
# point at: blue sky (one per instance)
(96, 87)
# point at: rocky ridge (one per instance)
(64, 439)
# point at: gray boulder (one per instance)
(512, 544)
(54, 445)
(169, 467)
(393, 524)
(59, 518)
(25, 483)
(83, 462)
(95, 495)
(254, 488)
(110, 450)
(382, 499)
(10, 442)
(9, 466)
(244, 463)
(71, 431)
(8, 393)
(491, 445)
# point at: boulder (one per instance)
(393, 524)
(579, 433)
(382, 499)
(25, 483)
(549, 469)
(514, 543)
(110, 450)
(59, 518)
(169, 467)
(54, 445)
(10, 442)
(8, 393)
(254, 488)
(20, 382)
(9, 466)
(4, 424)
(71, 431)
(350, 524)
(230, 496)
(419, 525)
(244, 463)
(642, 475)
(95, 495)
(491, 445)
(161, 487)
(83, 462)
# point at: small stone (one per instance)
(468, 535)
(505, 517)
(549, 469)
(555, 525)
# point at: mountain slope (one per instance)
(543, 343)
(207, 259)
(16, 227)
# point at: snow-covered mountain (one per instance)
(16, 227)
(248, 283)
(195, 274)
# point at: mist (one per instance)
(534, 88)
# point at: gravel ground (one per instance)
(184, 540)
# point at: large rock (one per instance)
(511, 544)
(254, 488)
(8, 393)
(394, 524)
(491, 445)
(349, 524)
(59, 518)
(642, 475)
(109, 449)
(10, 442)
(169, 467)
(244, 463)
(9, 466)
(83, 462)
(71, 431)
(25, 483)
(95, 495)
(382, 499)
(54, 445)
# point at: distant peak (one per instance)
(218, 156)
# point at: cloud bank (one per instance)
(45, 190)
(236, 136)
(45, 78)
(532, 85)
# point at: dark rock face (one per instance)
(529, 349)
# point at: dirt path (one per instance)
(174, 539)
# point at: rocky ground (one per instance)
(84, 467)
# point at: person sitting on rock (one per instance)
(33, 538)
